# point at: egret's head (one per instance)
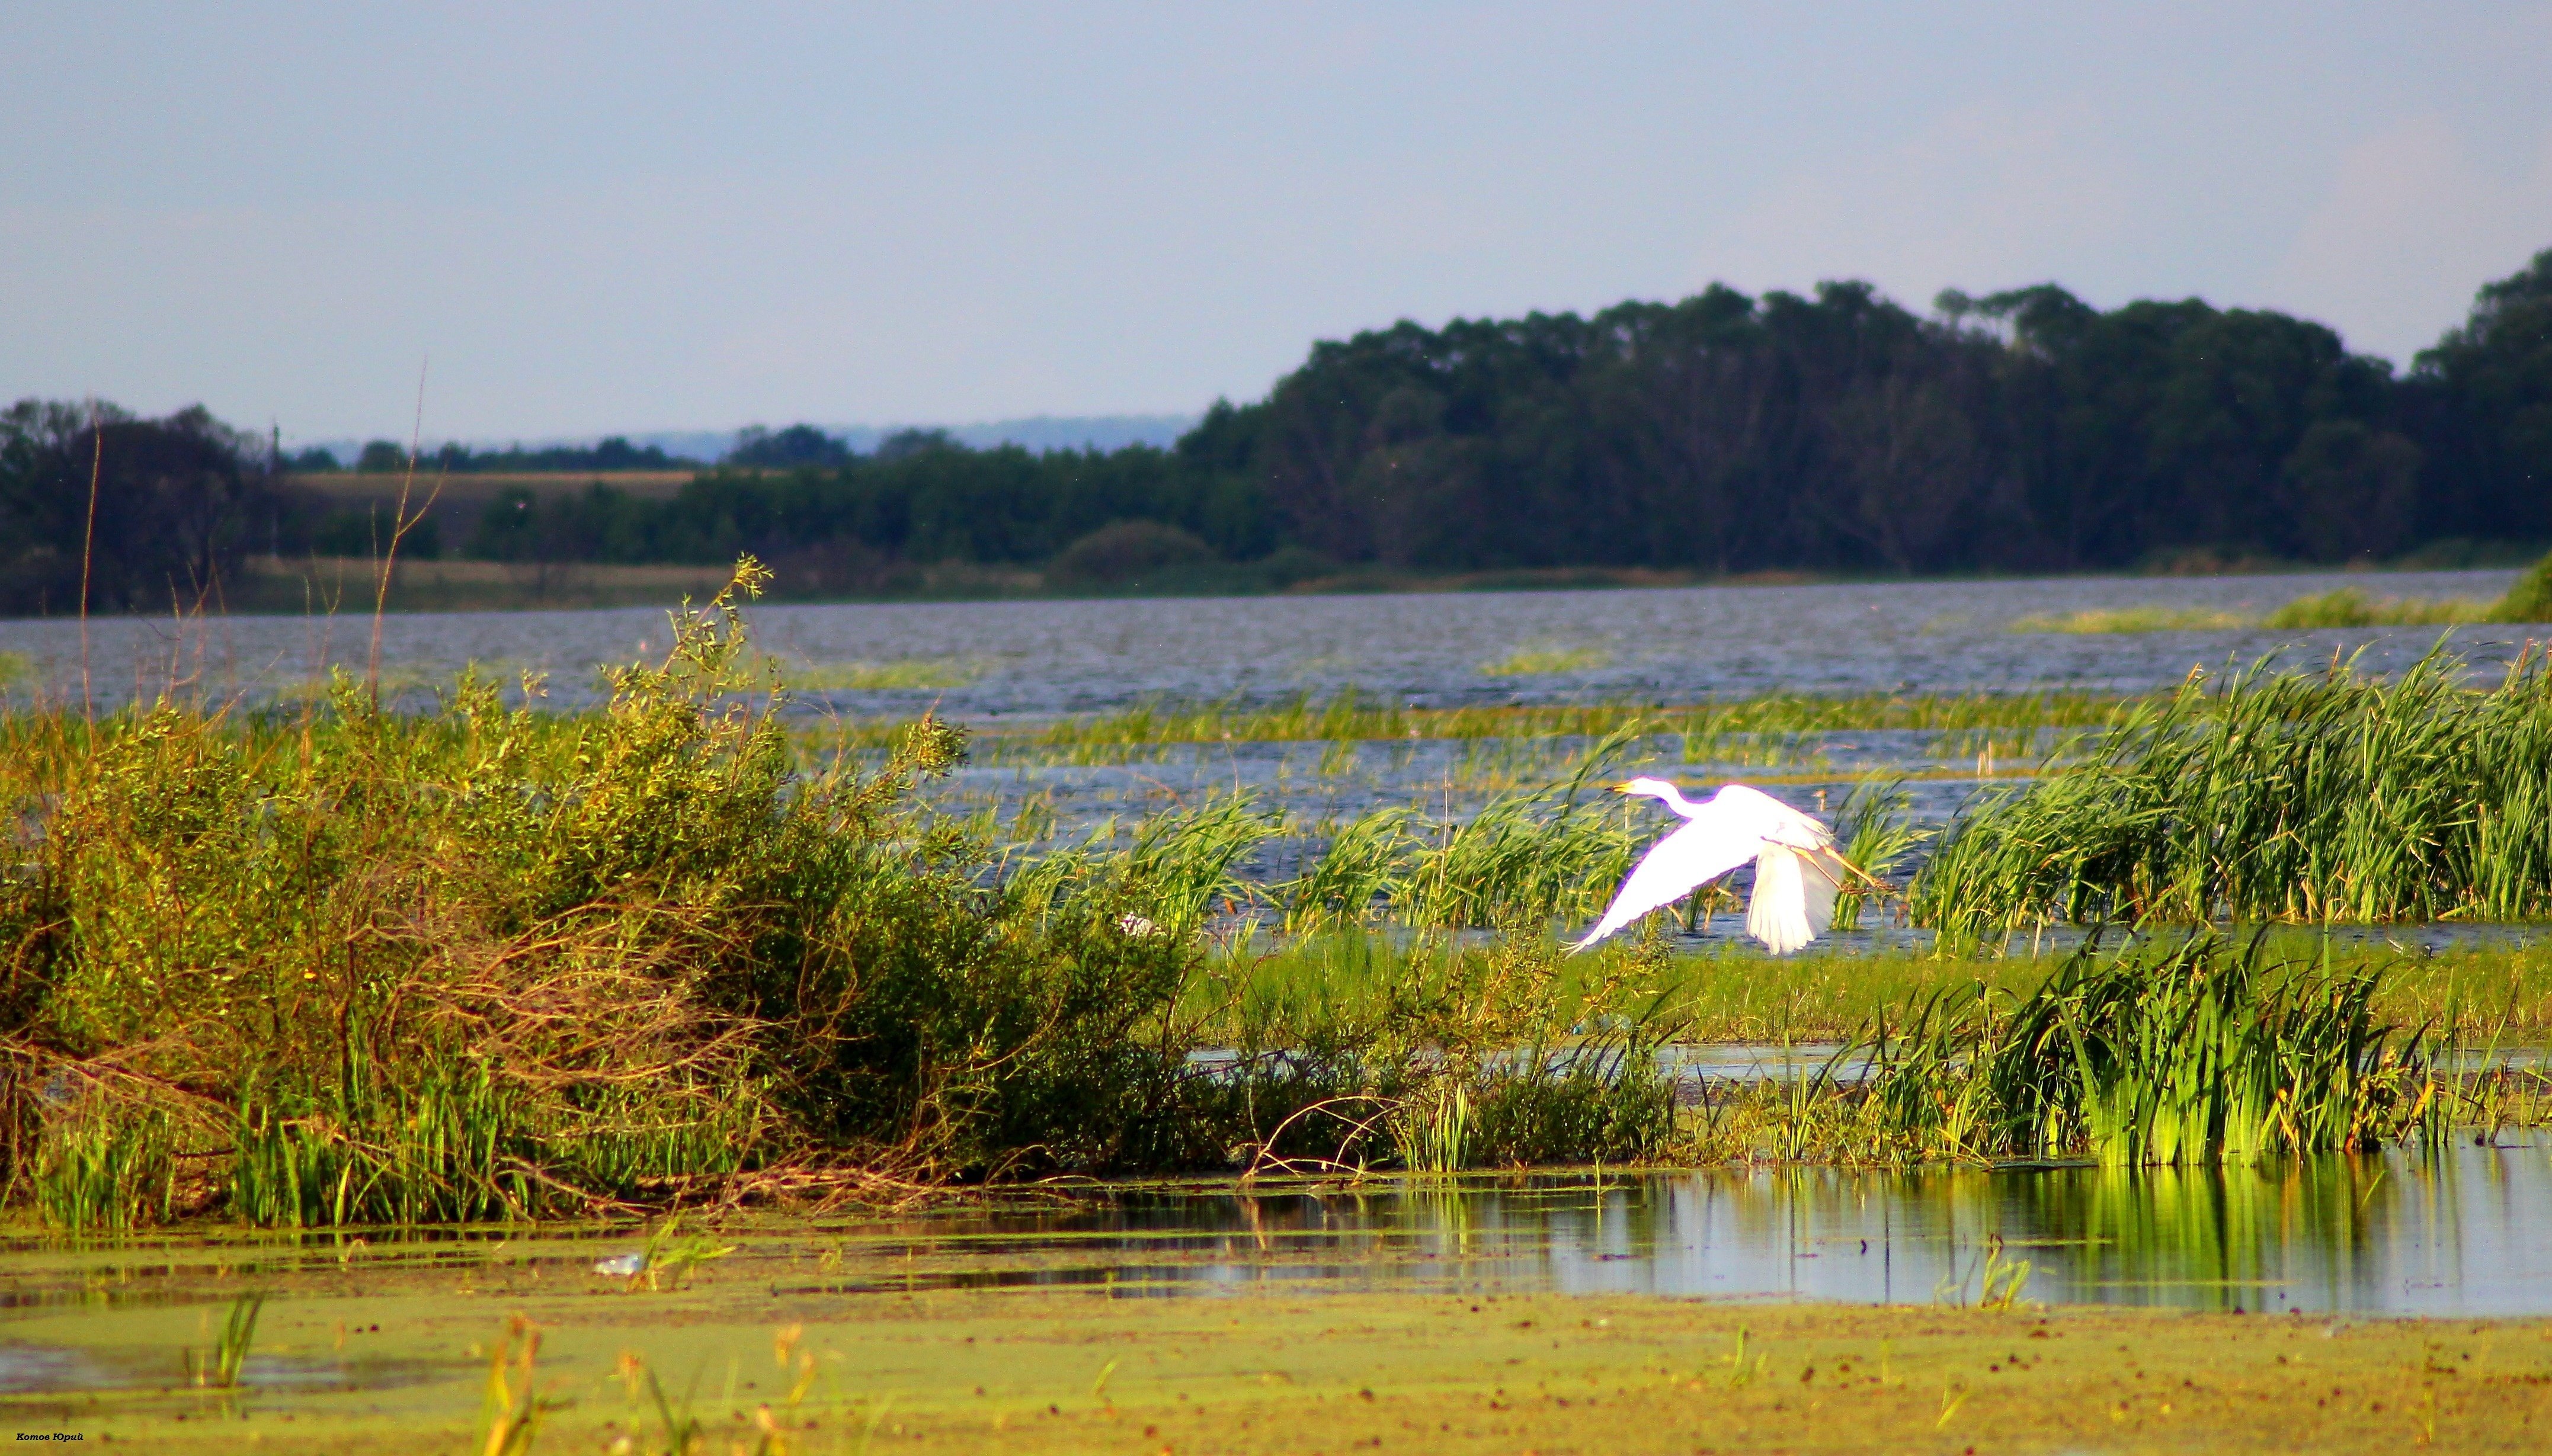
(1656, 789)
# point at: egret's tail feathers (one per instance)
(1794, 895)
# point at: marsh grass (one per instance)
(896, 674)
(1438, 1055)
(2192, 1052)
(2327, 797)
(2350, 607)
(2530, 600)
(1535, 660)
(2103, 621)
(1353, 717)
(347, 966)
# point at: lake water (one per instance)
(2403, 1233)
(2456, 1232)
(995, 659)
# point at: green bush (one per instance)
(490, 962)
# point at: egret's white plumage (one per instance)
(1796, 869)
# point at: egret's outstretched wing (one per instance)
(1710, 843)
(1794, 895)
(1773, 819)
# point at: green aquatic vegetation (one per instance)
(2346, 606)
(1364, 867)
(510, 1409)
(900, 674)
(230, 1351)
(2322, 796)
(1547, 658)
(2350, 607)
(1877, 833)
(1353, 1051)
(351, 966)
(2159, 1054)
(1353, 717)
(2530, 599)
(2101, 620)
(1555, 850)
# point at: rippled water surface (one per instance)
(1039, 657)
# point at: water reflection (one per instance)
(2465, 1231)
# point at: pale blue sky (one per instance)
(632, 216)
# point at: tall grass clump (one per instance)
(2530, 599)
(2163, 1054)
(2321, 796)
(1435, 1056)
(347, 966)
(2350, 607)
(1543, 850)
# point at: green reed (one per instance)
(2322, 796)
(1353, 717)
(2184, 1053)
(2350, 607)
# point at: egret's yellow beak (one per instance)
(1617, 789)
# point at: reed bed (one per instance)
(1353, 717)
(2162, 1054)
(2529, 601)
(2095, 621)
(2350, 607)
(2327, 797)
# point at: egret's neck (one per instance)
(1675, 801)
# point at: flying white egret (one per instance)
(1796, 869)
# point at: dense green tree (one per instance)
(798, 445)
(178, 501)
(2482, 397)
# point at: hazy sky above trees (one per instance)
(641, 216)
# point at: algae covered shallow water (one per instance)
(1053, 1319)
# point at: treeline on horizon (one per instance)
(2024, 431)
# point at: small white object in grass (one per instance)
(1136, 925)
(621, 1265)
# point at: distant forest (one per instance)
(2023, 431)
